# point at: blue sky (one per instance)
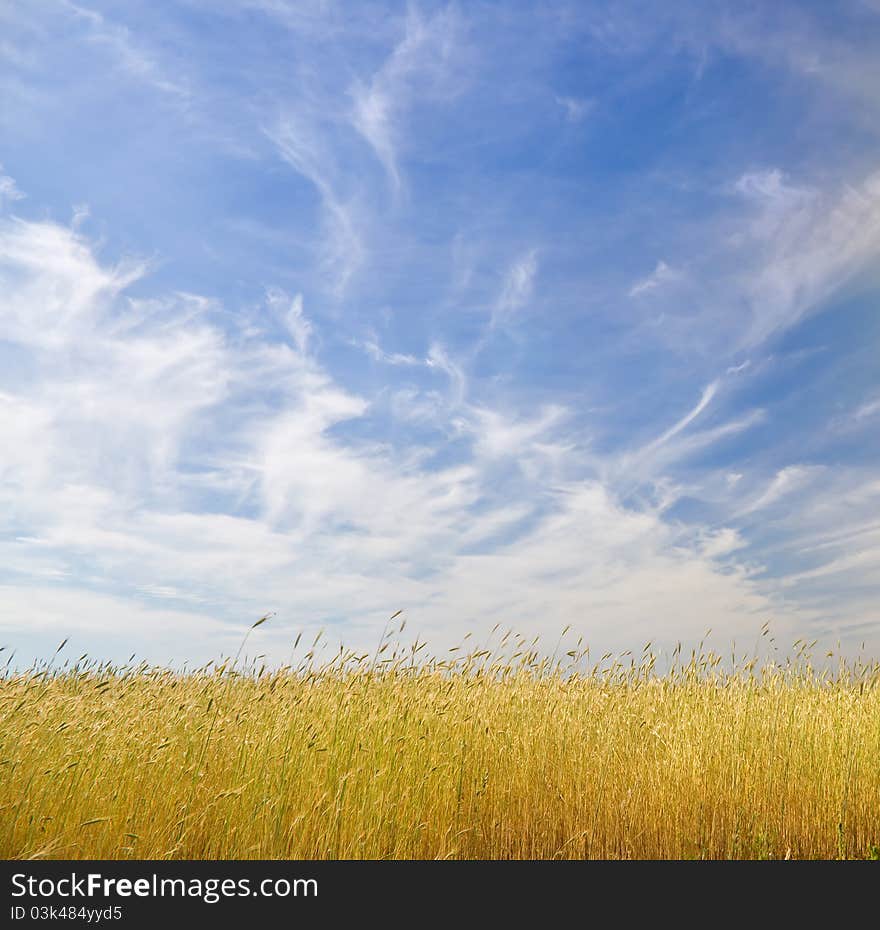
(532, 315)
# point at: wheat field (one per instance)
(492, 753)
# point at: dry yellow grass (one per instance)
(500, 755)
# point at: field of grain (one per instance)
(495, 754)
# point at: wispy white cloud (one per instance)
(378, 354)
(497, 436)
(662, 275)
(769, 185)
(789, 37)
(868, 409)
(517, 288)
(439, 358)
(787, 480)
(417, 68)
(216, 457)
(317, 125)
(134, 60)
(813, 530)
(648, 463)
(81, 213)
(54, 286)
(811, 245)
(292, 316)
(103, 467)
(705, 399)
(775, 201)
(316, 20)
(9, 191)
(576, 108)
(301, 145)
(104, 617)
(784, 249)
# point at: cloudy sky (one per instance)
(563, 313)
